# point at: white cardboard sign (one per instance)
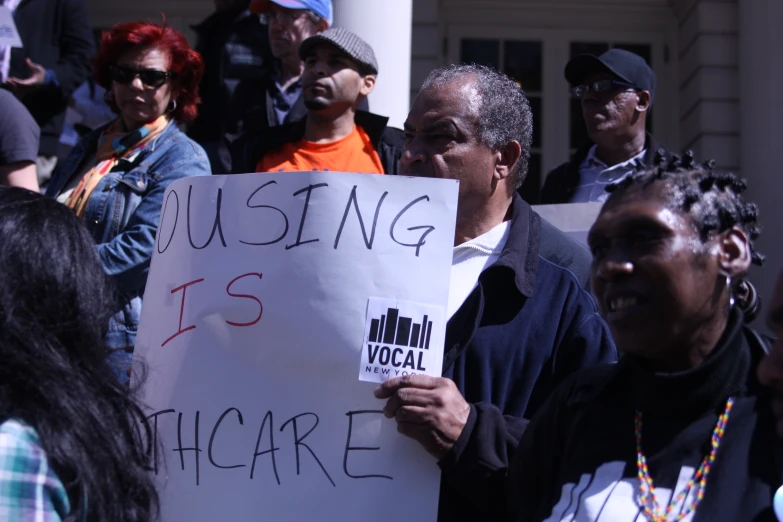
(9, 35)
(252, 329)
(575, 219)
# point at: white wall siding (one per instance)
(761, 38)
(426, 42)
(709, 92)
(712, 83)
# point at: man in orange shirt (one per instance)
(339, 73)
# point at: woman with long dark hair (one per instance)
(115, 178)
(680, 428)
(72, 439)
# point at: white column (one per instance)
(761, 134)
(386, 26)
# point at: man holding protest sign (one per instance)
(521, 321)
(339, 73)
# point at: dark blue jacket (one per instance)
(528, 325)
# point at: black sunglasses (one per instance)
(149, 77)
(578, 91)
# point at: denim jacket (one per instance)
(123, 211)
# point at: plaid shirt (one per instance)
(29, 489)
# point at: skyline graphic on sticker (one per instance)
(401, 338)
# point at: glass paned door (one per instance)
(522, 60)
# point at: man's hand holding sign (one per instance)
(430, 410)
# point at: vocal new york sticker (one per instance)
(401, 338)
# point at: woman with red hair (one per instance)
(115, 178)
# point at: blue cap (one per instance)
(322, 8)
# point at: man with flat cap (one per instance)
(340, 70)
(616, 90)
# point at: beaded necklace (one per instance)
(647, 498)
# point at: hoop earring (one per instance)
(728, 289)
(172, 106)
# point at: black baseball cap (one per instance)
(626, 65)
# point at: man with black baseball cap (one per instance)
(616, 90)
(340, 70)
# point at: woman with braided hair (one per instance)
(680, 428)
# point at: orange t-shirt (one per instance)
(353, 153)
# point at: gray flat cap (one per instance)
(347, 42)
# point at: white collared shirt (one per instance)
(595, 175)
(470, 259)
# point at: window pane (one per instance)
(595, 48)
(531, 188)
(482, 52)
(522, 61)
(535, 108)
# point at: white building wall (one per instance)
(426, 42)
(386, 27)
(709, 89)
(761, 114)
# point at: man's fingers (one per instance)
(32, 65)
(407, 397)
(417, 415)
(16, 82)
(388, 388)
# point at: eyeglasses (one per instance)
(284, 17)
(578, 91)
(149, 77)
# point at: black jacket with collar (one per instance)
(529, 324)
(248, 149)
(561, 182)
(56, 35)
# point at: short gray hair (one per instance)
(504, 111)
